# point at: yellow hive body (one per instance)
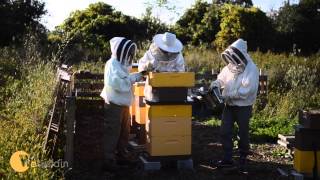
(139, 89)
(304, 161)
(168, 130)
(159, 111)
(140, 109)
(132, 107)
(169, 79)
(169, 127)
(168, 145)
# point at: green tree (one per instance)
(306, 35)
(193, 26)
(246, 3)
(152, 24)
(285, 23)
(89, 31)
(250, 24)
(18, 17)
(298, 26)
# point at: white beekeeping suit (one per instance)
(240, 78)
(117, 80)
(164, 55)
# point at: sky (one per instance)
(59, 10)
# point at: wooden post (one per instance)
(70, 129)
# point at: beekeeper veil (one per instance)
(123, 50)
(235, 56)
(165, 47)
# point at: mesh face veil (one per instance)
(125, 52)
(234, 56)
(162, 55)
(227, 58)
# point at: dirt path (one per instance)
(263, 162)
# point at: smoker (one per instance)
(214, 98)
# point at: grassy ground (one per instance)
(22, 118)
(26, 95)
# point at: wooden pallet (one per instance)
(54, 134)
(87, 85)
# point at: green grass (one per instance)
(27, 95)
(213, 122)
(261, 129)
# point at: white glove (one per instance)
(135, 77)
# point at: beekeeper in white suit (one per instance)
(118, 96)
(164, 55)
(239, 80)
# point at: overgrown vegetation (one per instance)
(26, 94)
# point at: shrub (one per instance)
(250, 24)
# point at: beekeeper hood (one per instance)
(165, 47)
(236, 56)
(123, 50)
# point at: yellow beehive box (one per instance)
(139, 105)
(164, 111)
(140, 115)
(168, 146)
(304, 161)
(139, 89)
(171, 79)
(170, 126)
(132, 108)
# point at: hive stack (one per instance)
(168, 121)
(140, 106)
(132, 107)
(138, 111)
(307, 142)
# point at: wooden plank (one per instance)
(82, 102)
(282, 143)
(69, 117)
(285, 144)
(92, 86)
(88, 75)
(87, 94)
(54, 127)
(286, 137)
(47, 138)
